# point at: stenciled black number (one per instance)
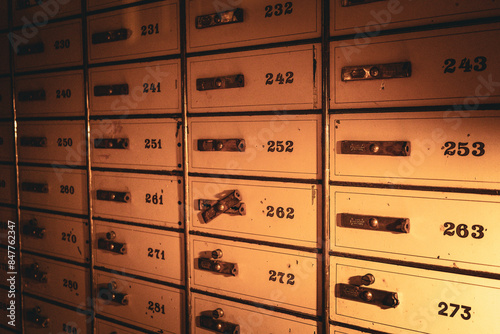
(63, 93)
(481, 61)
(455, 308)
(67, 189)
(156, 307)
(151, 88)
(62, 44)
(462, 230)
(160, 254)
(280, 79)
(71, 285)
(480, 232)
(463, 149)
(150, 29)
(69, 237)
(465, 64)
(450, 65)
(154, 199)
(69, 329)
(278, 9)
(280, 212)
(278, 146)
(64, 142)
(152, 144)
(275, 275)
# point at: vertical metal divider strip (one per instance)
(91, 299)
(19, 284)
(325, 77)
(185, 149)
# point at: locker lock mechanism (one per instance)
(111, 143)
(222, 145)
(386, 148)
(113, 196)
(42, 188)
(218, 19)
(34, 316)
(32, 95)
(111, 90)
(25, 4)
(108, 292)
(211, 320)
(357, 292)
(30, 49)
(32, 229)
(231, 204)
(34, 273)
(374, 72)
(33, 141)
(109, 244)
(213, 264)
(375, 223)
(110, 36)
(229, 81)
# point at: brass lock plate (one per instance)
(230, 202)
(373, 72)
(388, 224)
(387, 148)
(111, 143)
(29, 49)
(383, 299)
(348, 3)
(113, 196)
(110, 36)
(42, 188)
(33, 141)
(217, 266)
(226, 82)
(218, 326)
(226, 145)
(32, 95)
(112, 246)
(218, 19)
(111, 90)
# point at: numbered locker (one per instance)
(281, 79)
(5, 98)
(40, 317)
(54, 45)
(392, 298)
(4, 53)
(106, 327)
(143, 31)
(462, 228)
(141, 251)
(60, 189)
(8, 220)
(99, 4)
(271, 211)
(276, 277)
(367, 17)
(147, 199)
(56, 94)
(151, 306)
(34, 12)
(63, 282)
(60, 236)
(144, 144)
(448, 148)
(404, 70)
(242, 23)
(9, 307)
(211, 312)
(7, 141)
(283, 146)
(136, 89)
(52, 142)
(7, 184)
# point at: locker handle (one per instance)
(218, 19)
(1, 140)
(3, 184)
(31, 95)
(110, 36)
(34, 316)
(347, 3)
(108, 292)
(226, 82)
(378, 71)
(29, 49)
(388, 148)
(113, 196)
(109, 244)
(111, 90)
(111, 143)
(383, 299)
(33, 141)
(213, 323)
(33, 272)
(226, 145)
(230, 204)
(42, 188)
(32, 229)
(375, 223)
(213, 264)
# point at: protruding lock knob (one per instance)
(32, 229)
(384, 299)
(367, 296)
(108, 292)
(217, 254)
(217, 313)
(230, 204)
(385, 224)
(368, 279)
(110, 245)
(373, 222)
(34, 316)
(33, 272)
